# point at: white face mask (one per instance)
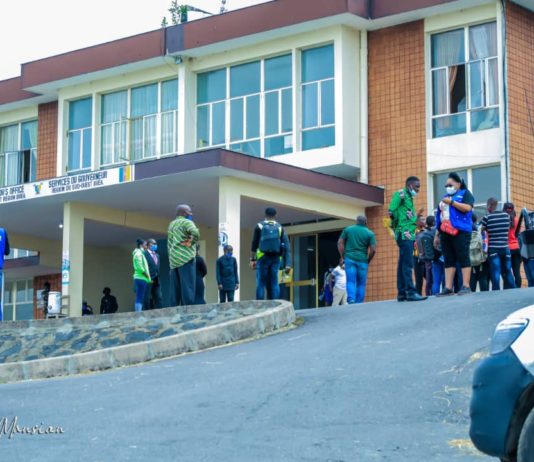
(451, 190)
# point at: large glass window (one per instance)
(18, 153)
(80, 134)
(18, 300)
(259, 103)
(465, 90)
(318, 108)
(140, 123)
(484, 182)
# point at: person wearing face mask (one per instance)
(153, 295)
(141, 274)
(404, 223)
(182, 237)
(454, 225)
(227, 275)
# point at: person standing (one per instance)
(497, 224)
(454, 225)
(418, 263)
(4, 250)
(339, 280)
(427, 253)
(108, 303)
(357, 247)
(479, 259)
(201, 271)
(227, 275)
(513, 243)
(44, 298)
(141, 274)
(326, 296)
(403, 221)
(268, 245)
(153, 294)
(181, 245)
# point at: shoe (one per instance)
(445, 293)
(401, 298)
(415, 298)
(464, 291)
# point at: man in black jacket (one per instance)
(153, 295)
(227, 275)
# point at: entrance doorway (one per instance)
(312, 255)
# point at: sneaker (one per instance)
(415, 298)
(445, 293)
(464, 291)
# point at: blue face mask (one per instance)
(154, 247)
(189, 217)
(229, 254)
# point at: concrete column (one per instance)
(72, 257)
(230, 219)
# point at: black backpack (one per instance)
(427, 246)
(270, 237)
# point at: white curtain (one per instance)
(448, 48)
(114, 106)
(483, 41)
(168, 132)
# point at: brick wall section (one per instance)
(38, 284)
(47, 141)
(397, 138)
(520, 37)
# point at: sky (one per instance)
(36, 29)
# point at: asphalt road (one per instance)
(377, 382)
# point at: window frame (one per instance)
(13, 303)
(467, 63)
(129, 120)
(262, 138)
(22, 178)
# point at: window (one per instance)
(259, 103)
(18, 153)
(149, 130)
(20, 253)
(465, 89)
(483, 182)
(79, 135)
(18, 300)
(318, 115)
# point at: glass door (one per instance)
(303, 290)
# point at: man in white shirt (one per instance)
(339, 278)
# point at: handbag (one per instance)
(447, 228)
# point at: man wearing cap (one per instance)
(227, 275)
(268, 245)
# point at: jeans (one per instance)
(140, 289)
(500, 262)
(267, 277)
(529, 271)
(226, 295)
(1, 296)
(183, 284)
(356, 272)
(405, 285)
(438, 276)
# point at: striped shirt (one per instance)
(497, 224)
(181, 239)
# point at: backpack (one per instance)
(425, 246)
(476, 249)
(271, 231)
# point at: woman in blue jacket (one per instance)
(453, 230)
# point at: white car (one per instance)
(502, 405)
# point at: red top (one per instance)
(513, 243)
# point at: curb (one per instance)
(225, 333)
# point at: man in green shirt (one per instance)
(404, 222)
(181, 246)
(357, 247)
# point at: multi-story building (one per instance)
(321, 109)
